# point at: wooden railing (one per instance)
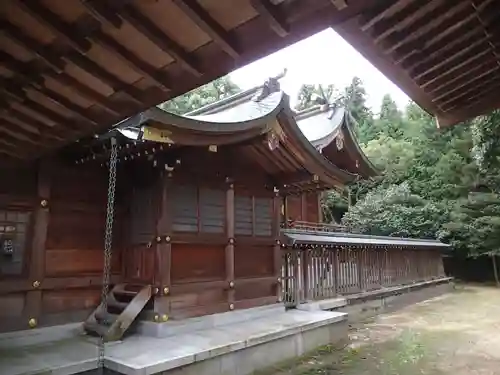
(320, 273)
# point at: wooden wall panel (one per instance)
(252, 291)
(56, 301)
(192, 262)
(139, 263)
(294, 207)
(69, 262)
(70, 229)
(312, 208)
(12, 305)
(202, 298)
(253, 261)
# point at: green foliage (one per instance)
(395, 211)
(310, 95)
(207, 94)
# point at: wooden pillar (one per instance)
(33, 307)
(278, 201)
(163, 254)
(360, 265)
(303, 207)
(230, 244)
(320, 210)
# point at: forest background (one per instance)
(434, 183)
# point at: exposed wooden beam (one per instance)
(205, 22)
(41, 51)
(441, 14)
(84, 91)
(369, 19)
(158, 37)
(76, 39)
(447, 57)
(452, 31)
(404, 17)
(453, 63)
(101, 11)
(132, 60)
(30, 124)
(20, 136)
(465, 95)
(102, 74)
(482, 71)
(50, 20)
(34, 76)
(275, 20)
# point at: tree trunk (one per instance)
(495, 271)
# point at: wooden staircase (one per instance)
(125, 303)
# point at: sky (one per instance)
(323, 58)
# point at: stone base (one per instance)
(176, 327)
(232, 349)
(367, 304)
(237, 345)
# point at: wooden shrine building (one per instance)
(213, 211)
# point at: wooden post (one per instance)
(303, 207)
(230, 244)
(163, 253)
(360, 266)
(33, 307)
(276, 230)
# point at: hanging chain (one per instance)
(108, 239)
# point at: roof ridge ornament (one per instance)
(269, 87)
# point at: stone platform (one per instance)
(216, 346)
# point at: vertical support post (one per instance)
(303, 207)
(360, 263)
(229, 253)
(33, 307)
(163, 252)
(306, 268)
(320, 210)
(276, 230)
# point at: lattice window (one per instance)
(14, 226)
(263, 216)
(253, 216)
(184, 203)
(212, 206)
(243, 215)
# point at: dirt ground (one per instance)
(455, 334)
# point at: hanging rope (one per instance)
(108, 239)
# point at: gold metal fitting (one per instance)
(44, 203)
(231, 284)
(156, 318)
(279, 279)
(212, 148)
(158, 239)
(148, 245)
(32, 323)
(231, 241)
(278, 242)
(36, 284)
(231, 186)
(231, 306)
(168, 239)
(156, 290)
(166, 290)
(164, 317)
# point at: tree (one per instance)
(394, 211)
(354, 99)
(207, 94)
(475, 227)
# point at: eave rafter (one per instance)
(272, 15)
